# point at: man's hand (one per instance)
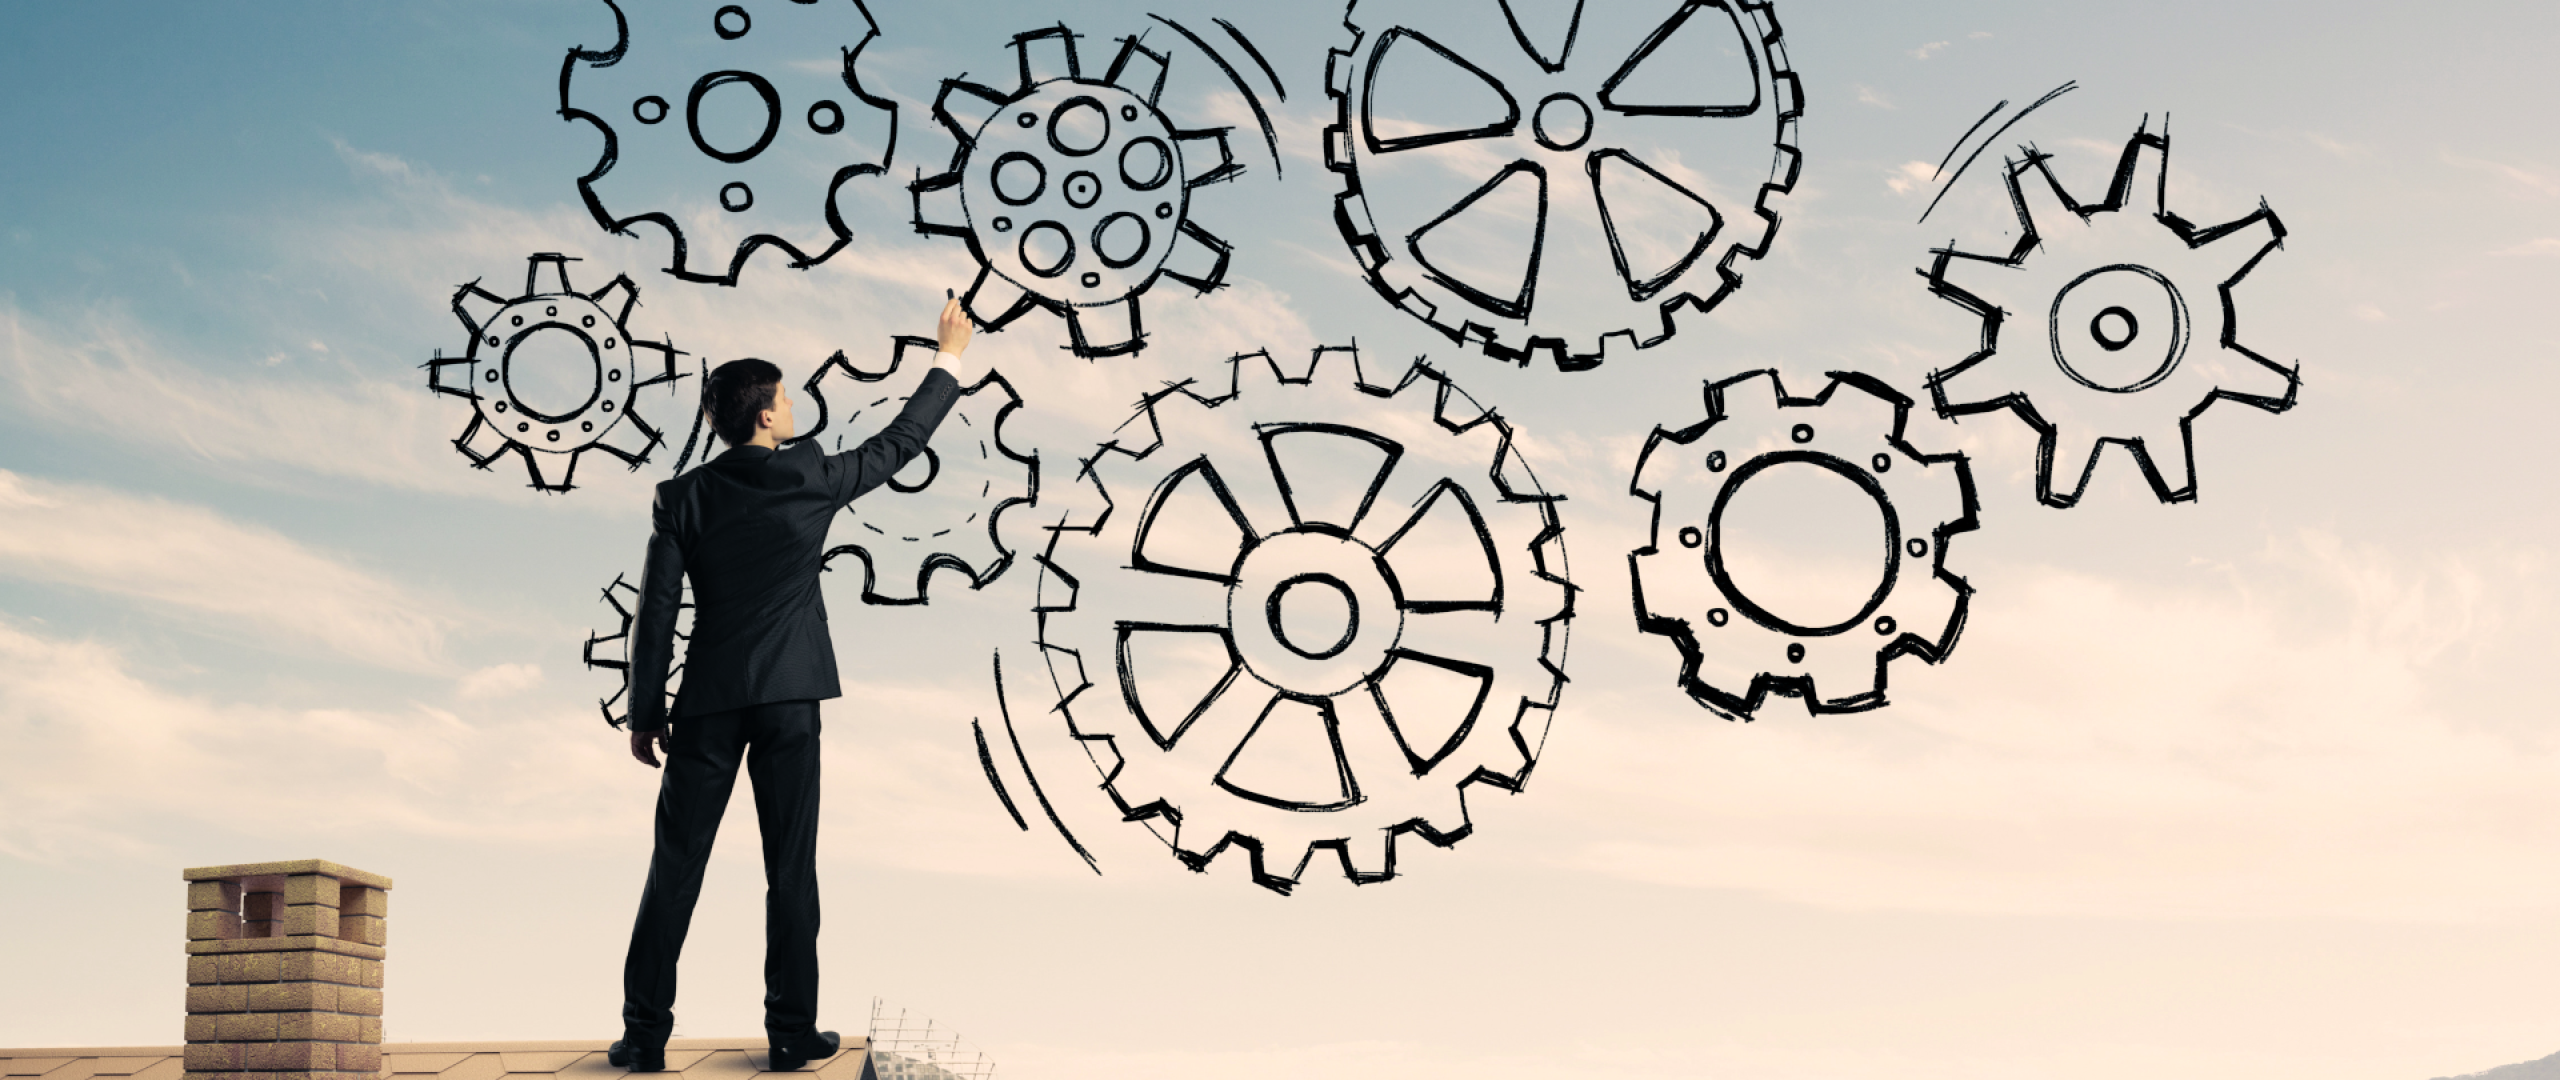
(647, 745)
(956, 328)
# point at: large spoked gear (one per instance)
(1314, 612)
(939, 512)
(1075, 194)
(1734, 651)
(1550, 176)
(552, 373)
(2113, 303)
(624, 597)
(672, 101)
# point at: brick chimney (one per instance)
(284, 971)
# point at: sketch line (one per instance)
(1950, 185)
(1270, 136)
(1006, 711)
(987, 762)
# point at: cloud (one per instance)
(1923, 52)
(2540, 245)
(189, 561)
(500, 680)
(2225, 753)
(1870, 96)
(2535, 181)
(1911, 176)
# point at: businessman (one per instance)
(750, 528)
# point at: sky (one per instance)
(2260, 783)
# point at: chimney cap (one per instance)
(345, 875)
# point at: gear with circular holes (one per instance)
(1560, 180)
(2102, 327)
(940, 511)
(617, 655)
(1735, 649)
(1074, 194)
(716, 148)
(1314, 612)
(553, 373)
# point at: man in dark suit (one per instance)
(750, 528)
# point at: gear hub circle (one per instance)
(1301, 634)
(1615, 165)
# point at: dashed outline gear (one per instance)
(624, 616)
(1011, 183)
(503, 422)
(901, 537)
(664, 120)
(1386, 238)
(2155, 266)
(1733, 652)
(1208, 524)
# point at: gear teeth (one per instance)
(1108, 330)
(994, 301)
(631, 440)
(546, 275)
(1139, 70)
(1207, 157)
(2070, 457)
(475, 306)
(939, 210)
(1367, 856)
(2056, 219)
(617, 298)
(1199, 259)
(550, 472)
(964, 107)
(1046, 54)
(480, 442)
(2164, 449)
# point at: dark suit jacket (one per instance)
(750, 528)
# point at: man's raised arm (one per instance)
(881, 456)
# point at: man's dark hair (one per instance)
(735, 393)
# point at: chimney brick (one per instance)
(284, 972)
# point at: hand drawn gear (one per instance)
(2110, 310)
(1734, 651)
(618, 647)
(938, 513)
(1302, 632)
(1074, 194)
(589, 374)
(649, 102)
(1431, 97)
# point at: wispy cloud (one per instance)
(2535, 181)
(1868, 95)
(1911, 176)
(1925, 51)
(499, 680)
(201, 567)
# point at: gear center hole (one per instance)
(553, 373)
(1314, 615)
(1805, 543)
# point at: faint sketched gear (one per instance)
(2111, 300)
(624, 598)
(1735, 650)
(552, 374)
(1313, 612)
(1074, 194)
(940, 511)
(1545, 177)
(729, 149)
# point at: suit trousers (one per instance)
(779, 742)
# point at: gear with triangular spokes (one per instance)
(1074, 194)
(1560, 177)
(1314, 613)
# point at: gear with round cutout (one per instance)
(1735, 650)
(1074, 194)
(1655, 133)
(553, 373)
(1314, 613)
(619, 642)
(669, 101)
(2116, 306)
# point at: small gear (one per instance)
(1456, 134)
(552, 373)
(670, 101)
(2114, 305)
(1734, 650)
(1074, 194)
(1313, 613)
(939, 512)
(620, 642)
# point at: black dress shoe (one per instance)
(635, 1058)
(808, 1048)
